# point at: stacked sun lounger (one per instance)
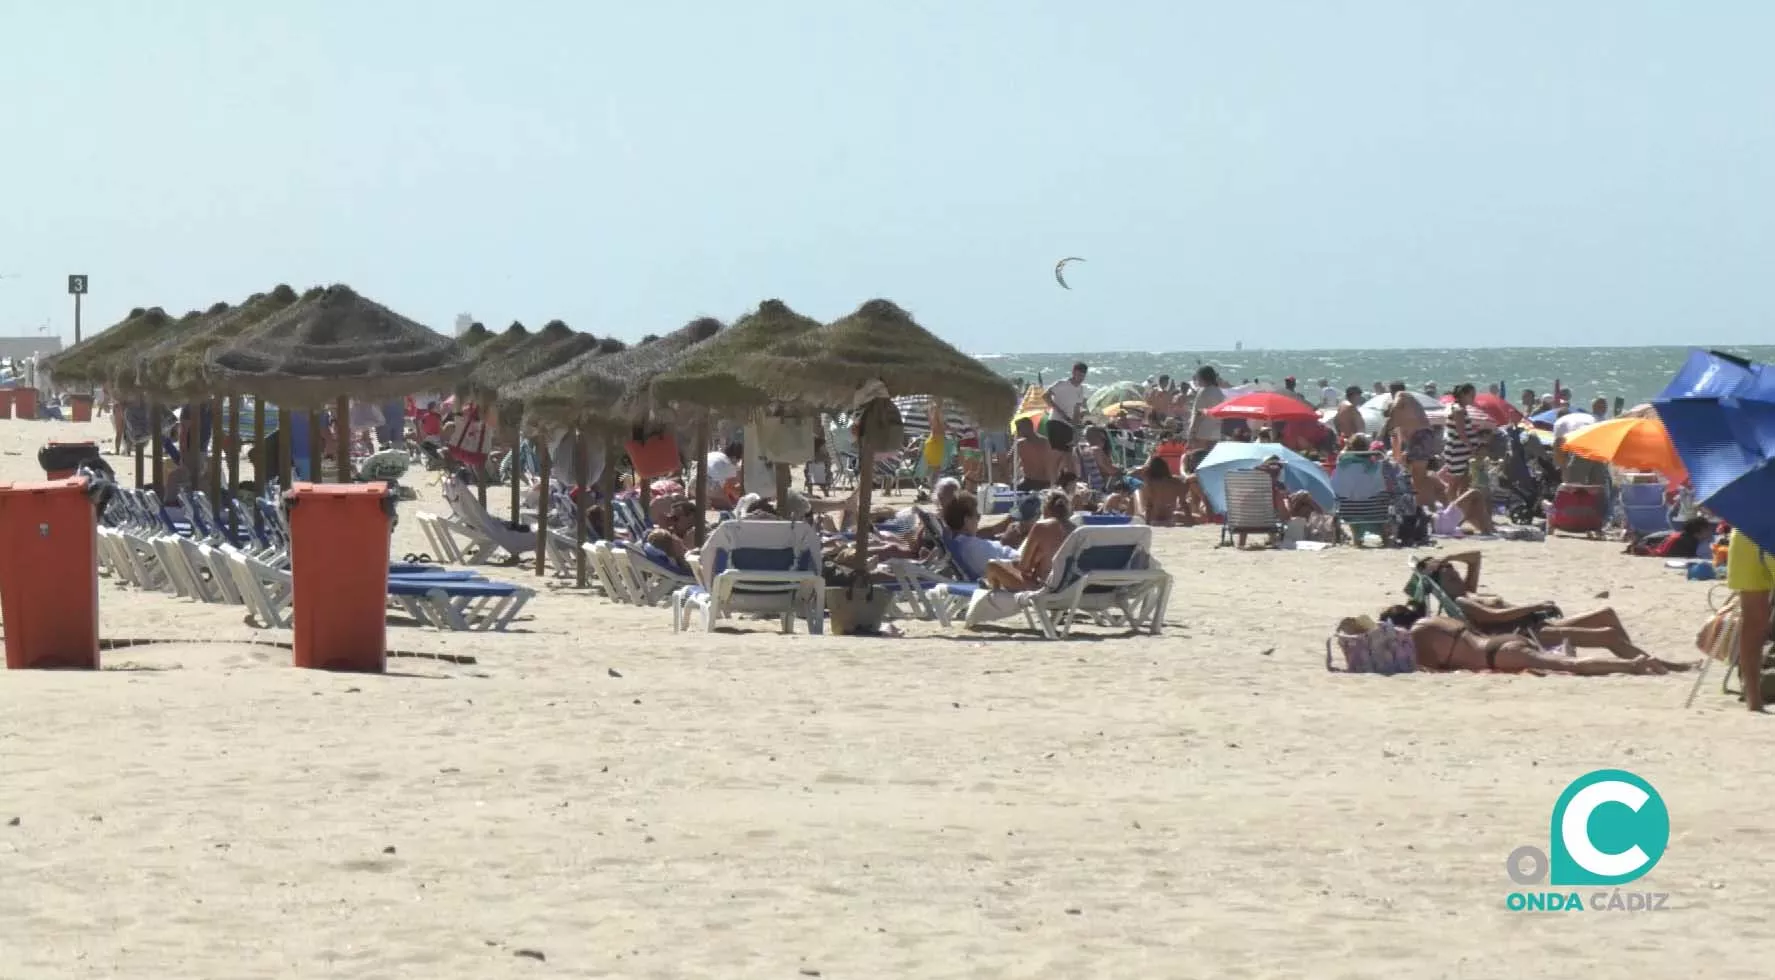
(243, 558)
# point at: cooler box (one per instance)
(1576, 509)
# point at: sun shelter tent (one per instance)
(703, 379)
(336, 346)
(876, 352)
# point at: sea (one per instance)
(1636, 374)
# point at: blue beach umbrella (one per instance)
(1298, 472)
(1720, 413)
(1545, 419)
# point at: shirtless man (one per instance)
(1158, 400)
(1418, 440)
(1035, 559)
(1349, 415)
(1035, 458)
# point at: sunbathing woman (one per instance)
(1036, 558)
(1488, 615)
(1162, 499)
(1441, 643)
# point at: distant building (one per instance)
(26, 346)
(463, 322)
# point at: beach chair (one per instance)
(484, 535)
(1100, 569)
(939, 588)
(1250, 506)
(1642, 509)
(653, 578)
(761, 568)
(1364, 503)
(459, 604)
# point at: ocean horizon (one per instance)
(1636, 374)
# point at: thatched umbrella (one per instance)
(334, 347)
(610, 394)
(878, 343)
(178, 368)
(524, 356)
(513, 398)
(88, 362)
(704, 378)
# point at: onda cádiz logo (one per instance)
(1609, 829)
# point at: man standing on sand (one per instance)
(1417, 442)
(1750, 573)
(1066, 406)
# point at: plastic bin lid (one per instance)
(74, 484)
(377, 489)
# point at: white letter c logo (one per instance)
(1574, 826)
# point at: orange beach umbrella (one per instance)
(1630, 443)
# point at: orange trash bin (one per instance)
(49, 575)
(339, 575)
(24, 403)
(5, 403)
(80, 408)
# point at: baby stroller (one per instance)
(1528, 482)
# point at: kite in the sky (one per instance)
(1060, 270)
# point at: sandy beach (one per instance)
(596, 796)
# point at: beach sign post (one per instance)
(77, 288)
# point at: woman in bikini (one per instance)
(1542, 623)
(1449, 644)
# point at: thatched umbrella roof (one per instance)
(476, 335)
(335, 345)
(88, 361)
(485, 359)
(611, 391)
(178, 365)
(881, 342)
(704, 376)
(119, 370)
(553, 345)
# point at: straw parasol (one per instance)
(335, 345)
(476, 335)
(88, 361)
(553, 345)
(610, 391)
(178, 365)
(705, 376)
(879, 342)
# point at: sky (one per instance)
(1284, 174)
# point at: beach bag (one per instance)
(471, 438)
(880, 419)
(1718, 637)
(1380, 649)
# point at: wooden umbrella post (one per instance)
(233, 434)
(342, 438)
(217, 420)
(517, 458)
(286, 448)
(154, 434)
(542, 502)
(316, 471)
(581, 476)
(607, 490)
(782, 489)
(701, 491)
(865, 487)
